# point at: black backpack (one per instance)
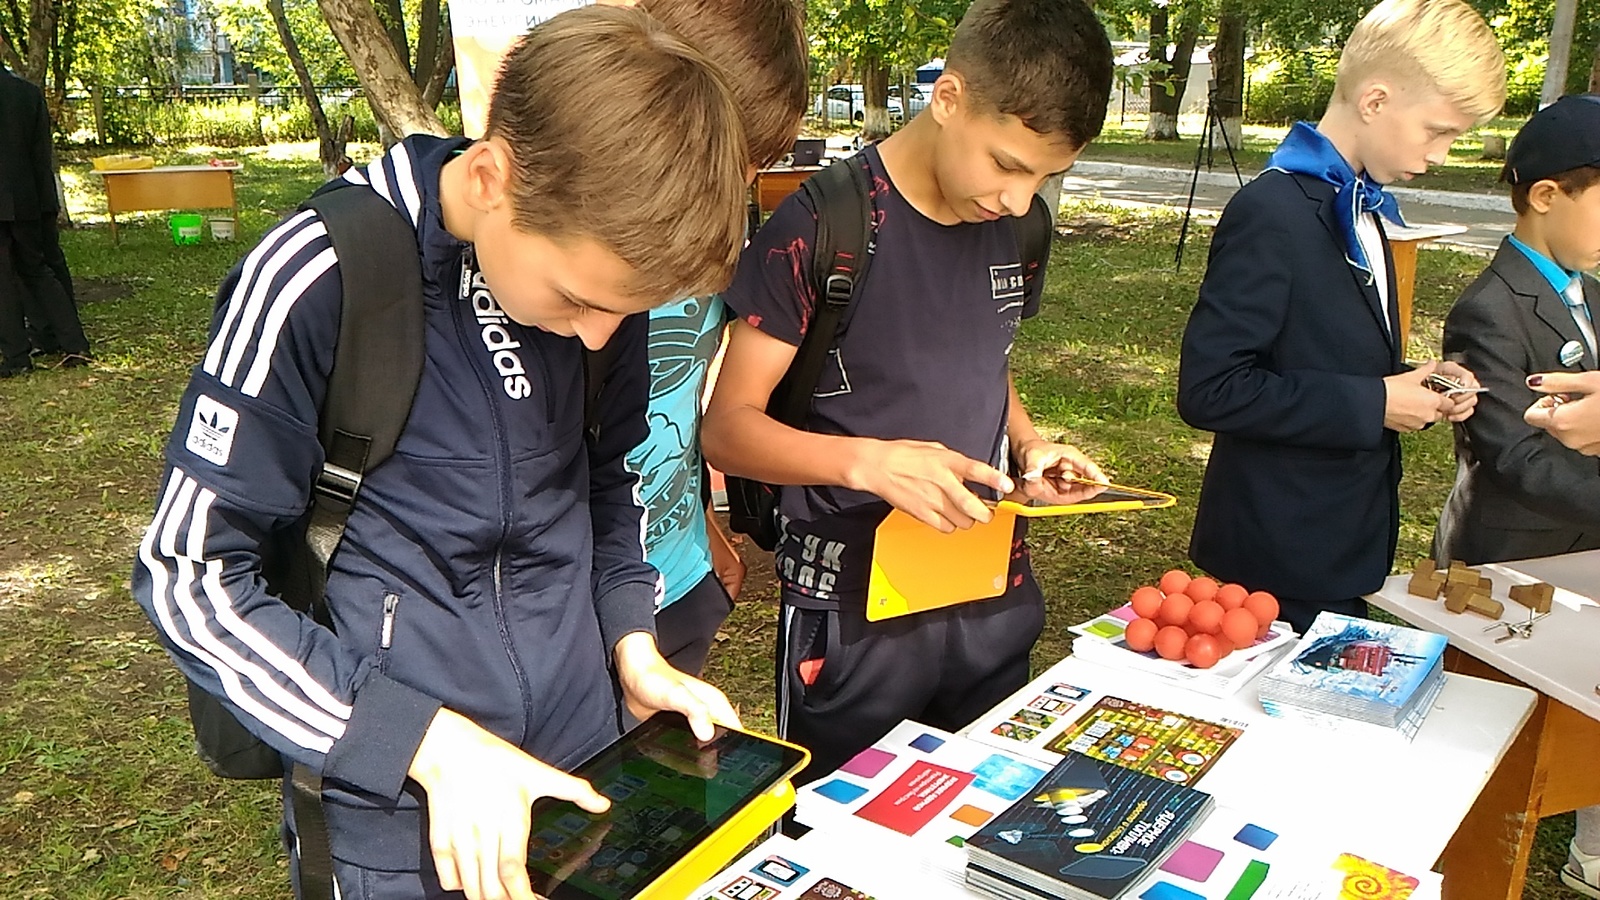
(380, 331)
(841, 195)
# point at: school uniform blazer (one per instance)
(1518, 492)
(27, 183)
(1283, 358)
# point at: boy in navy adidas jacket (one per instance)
(491, 579)
(915, 408)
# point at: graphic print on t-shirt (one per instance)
(683, 339)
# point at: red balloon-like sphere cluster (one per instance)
(1196, 619)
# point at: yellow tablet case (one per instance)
(726, 843)
(723, 847)
(917, 568)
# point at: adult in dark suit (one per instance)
(27, 213)
(1518, 492)
(1291, 356)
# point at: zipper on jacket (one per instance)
(386, 635)
(502, 472)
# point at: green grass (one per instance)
(100, 795)
(1123, 141)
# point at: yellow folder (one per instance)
(917, 568)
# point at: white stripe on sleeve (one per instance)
(247, 277)
(258, 297)
(279, 312)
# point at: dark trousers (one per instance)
(30, 289)
(687, 627)
(942, 668)
(40, 334)
(1300, 613)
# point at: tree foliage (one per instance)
(255, 41)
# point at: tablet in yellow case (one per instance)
(917, 568)
(680, 812)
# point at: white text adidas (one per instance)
(498, 341)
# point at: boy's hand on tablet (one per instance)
(650, 684)
(1056, 473)
(1568, 409)
(927, 481)
(1409, 404)
(480, 790)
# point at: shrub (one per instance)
(1285, 88)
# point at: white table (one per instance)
(1550, 768)
(1387, 800)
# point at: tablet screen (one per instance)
(1114, 495)
(668, 794)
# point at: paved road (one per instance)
(1487, 218)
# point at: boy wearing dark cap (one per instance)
(1519, 493)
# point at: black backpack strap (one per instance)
(377, 364)
(1034, 232)
(841, 196)
(314, 854)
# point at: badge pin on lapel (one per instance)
(1571, 353)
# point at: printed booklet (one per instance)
(1371, 671)
(1090, 829)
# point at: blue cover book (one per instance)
(1365, 662)
(1088, 829)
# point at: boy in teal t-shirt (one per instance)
(700, 570)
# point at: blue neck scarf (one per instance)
(1305, 151)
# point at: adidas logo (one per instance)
(211, 431)
(498, 340)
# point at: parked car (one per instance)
(915, 100)
(849, 101)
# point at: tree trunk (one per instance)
(875, 91)
(327, 150)
(393, 16)
(1227, 68)
(41, 28)
(9, 55)
(1555, 71)
(1166, 89)
(427, 44)
(1051, 192)
(1594, 72)
(444, 61)
(395, 99)
(65, 43)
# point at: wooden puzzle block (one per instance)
(1536, 597)
(1456, 596)
(1426, 580)
(1462, 575)
(1485, 606)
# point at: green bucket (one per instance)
(186, 228)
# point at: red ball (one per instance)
(1240, 627)
(1264, 607)
(1171, 641)
(1231, 596)
(1145, 601)
(1224, 646)
(1175, 610)
(1173, 581)
(1202, 651)
(1202, 588)
(1206, 617)
(1140, 635)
